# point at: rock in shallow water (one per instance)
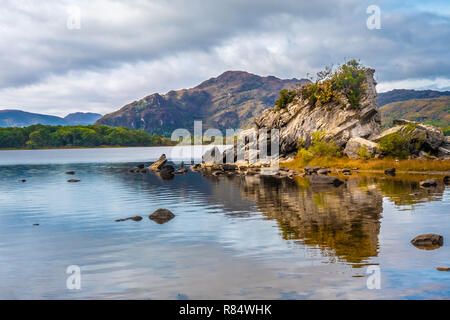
(70, 172)
(136, 218)
(158, 164)
(428, 241)
(162, 216)
(443, 268)
(73, 180)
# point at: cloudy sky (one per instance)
(124, 50)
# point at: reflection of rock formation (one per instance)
(403, 192)
(343, 222)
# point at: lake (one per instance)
(232, 237)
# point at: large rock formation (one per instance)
(340, 122)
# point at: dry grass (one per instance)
(372, 164)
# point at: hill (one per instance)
(19, 118)
(435, 111)
(82, 118)
(230, 100)
(404, 94)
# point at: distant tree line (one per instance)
(42, 136)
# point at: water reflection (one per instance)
(344, 222)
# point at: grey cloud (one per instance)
(125, 50)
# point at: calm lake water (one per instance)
(232, 237)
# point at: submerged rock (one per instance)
(390, 171)
(136, 218)
(428, 241)
(162, 216)
(158, 164)
(428, 183)
(443, 268)
(23, 180)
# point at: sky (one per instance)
(60, 57)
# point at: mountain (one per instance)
(404, 94)
(82, 118)
(18, 118)
(435, 111)
(230, 100)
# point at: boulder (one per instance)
(428, 137)
(157, 165)
(428, 183)
(212, 155)
(162, 216)
(428, 241)
(141, 166)
(73, 180)
(390, 171)
(323, 179)
(355, 145)
(70, 172)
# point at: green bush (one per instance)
(319, 148)
(347, 81)
(286, 97)
(401, 143)
(363, 153)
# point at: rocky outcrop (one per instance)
(340, 122)
(421, 137)
(355, 147)
(157, 165)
